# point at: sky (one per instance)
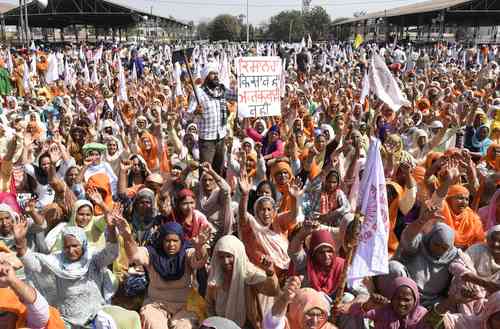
(259, 10)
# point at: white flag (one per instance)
(10, 64)
(86, 73)
(177, 78)
(383, 84)
(121, 77)
(33, 65)
(372, 255)
(224, 71)
(134, 72)
(52, 73)
(26, 76)
(365, 91)
(95, 77)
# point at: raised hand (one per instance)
(244, 183)
(21, 230)
(202, 238)
(94, 196)
(267, 263)
(291, 288)
(125, 166)
(295, 188)
(7, 274)
(30, 206)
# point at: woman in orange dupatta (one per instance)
(395, 191)
(282, 174)
(298, 308)
(462, 219)
(150, 150)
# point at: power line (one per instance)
(241, 4)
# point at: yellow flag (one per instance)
(358, 41)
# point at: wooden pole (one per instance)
(356, 228)
(190, 77)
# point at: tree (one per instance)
(317, 23)
(224, 27)
(287, 24)
(202, 30)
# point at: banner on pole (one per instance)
(259, 86)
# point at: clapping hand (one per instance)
(291, 288)
(295, 188)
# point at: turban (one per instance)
(281, 166)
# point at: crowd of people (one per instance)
(134, 196)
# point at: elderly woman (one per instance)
(401, 311)
(320, 265)
(307, 309)
(462, 219)
(171, 266)
(78, 277)
(234, 282)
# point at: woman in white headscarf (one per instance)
(79, 279)
(234, 282)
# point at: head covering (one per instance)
(385, 317)
(305, 300)
(279, 167)
(490, 157)
(101, 148)
(244, 273)
(119, 151)
(274, 244)
(484, 144)
(60, 266)
(4, 207)
(326, 283)
(488, 214)
(328, 128)
(440, 233)
(170, 268)
(457, 190)
(208, 68)
(218, 322)
(102, 183)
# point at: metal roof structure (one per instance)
(99, 13)
(452, 12)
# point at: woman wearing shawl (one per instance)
(115, 153)
(485, 266)
(153, 152)
(320, 265)
(234, 282)
(265, 235)
(425, 257)
(307, 309)
(282, 176)
(393, 154)
(78, 275)
(82, 216)
(272, 146)
(466, 223)
(489, 318)
(142, 214)
(326, 198)
(490, 214)
(401, 311)
(22, 306)
(478, 142)
(184, 213)
(171, 266)
(133, 174)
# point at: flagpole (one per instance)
(190, 76)
(356, 229)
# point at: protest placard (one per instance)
(259, 83)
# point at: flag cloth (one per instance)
(10, 64)
(365, 91)
(383, 84)
(123, 84)
(372, 254)
(358, 41)
(134, 72)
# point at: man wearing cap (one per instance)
(212, 116)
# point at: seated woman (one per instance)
(490, 214)
(461, 218)
(171, 267)
(234, 282)
(22, 306)
(402, 311)
(320, 265)
(307, 309)
(78, 277)
(184, 213)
